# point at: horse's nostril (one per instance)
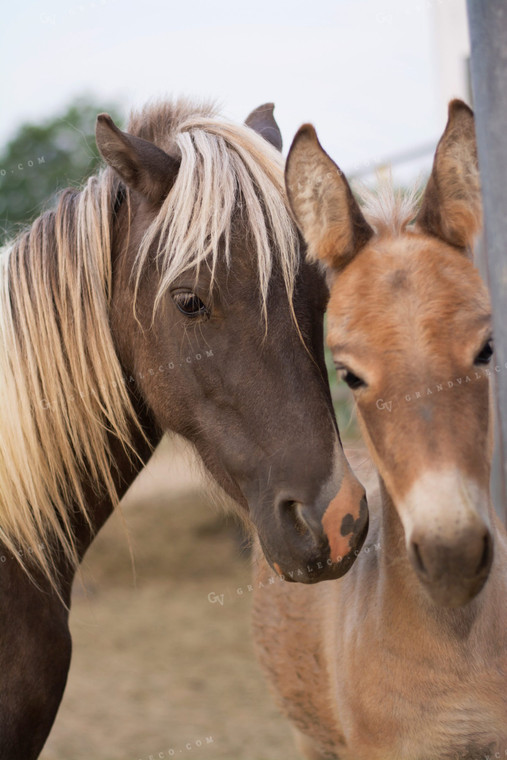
(295, 510)
(303, 519)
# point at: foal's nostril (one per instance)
(418, 559)
(486, 556)
(469, 558)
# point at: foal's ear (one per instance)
(140, 164)
(263, 122)
(451, 207)
(324, 208)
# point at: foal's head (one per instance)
(226, 348)
(410, 331)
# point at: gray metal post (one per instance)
(488, 33)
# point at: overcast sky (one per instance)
(362, 71)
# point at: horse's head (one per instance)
(217, 319)
(409, 327)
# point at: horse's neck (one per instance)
(402, 594)
(125, 468)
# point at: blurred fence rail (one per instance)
(488, 34)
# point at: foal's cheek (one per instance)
(373, 425)
(380, 429)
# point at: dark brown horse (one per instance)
(182, 245)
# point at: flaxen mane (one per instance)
(62, 389)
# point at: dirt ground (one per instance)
(156, 665)
(159, 669)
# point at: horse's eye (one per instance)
(485, 354)
(189, 304)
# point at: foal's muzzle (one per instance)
(454, 572)
(447, 531)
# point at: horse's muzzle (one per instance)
(308, 544)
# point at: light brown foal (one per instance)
(405, 658)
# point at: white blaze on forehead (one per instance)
(444, 503)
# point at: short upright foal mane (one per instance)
(405, 658)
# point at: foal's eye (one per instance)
(353, 381)
(189, 304)
(485, 354)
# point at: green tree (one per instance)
(42, 159)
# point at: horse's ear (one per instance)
(324, 208)
(451, 208)
(141, 165)
(262, 121)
